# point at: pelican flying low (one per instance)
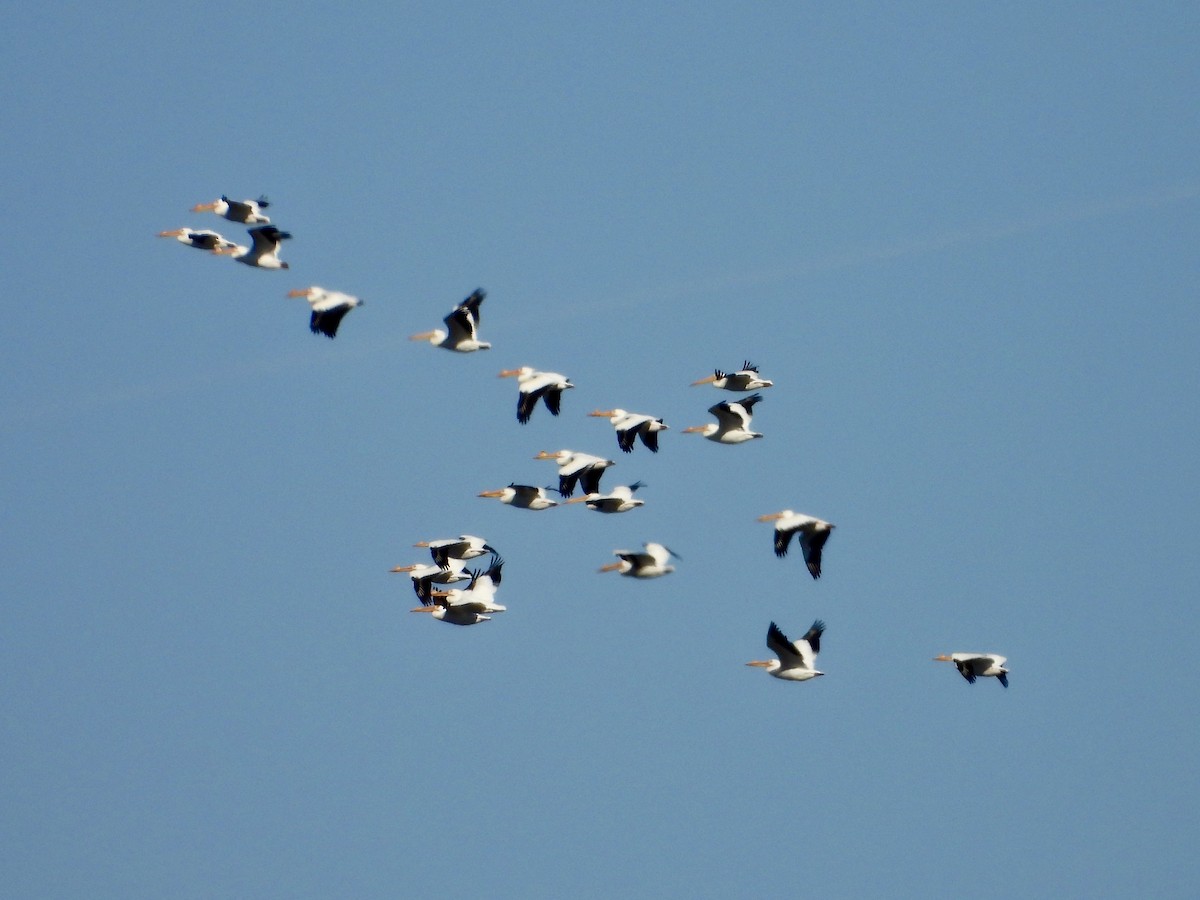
(651, 563)
(973, 665)
(202, 239)
(465, 546)
(619, 499)
(733, 422)
(263, 253)
(796, 658)
(633, 425)
(813, 534)
(522, 496)
(532, 385)
(461, 326)
(747, 379)
(328, 308)
(582, 468)
(248, 212)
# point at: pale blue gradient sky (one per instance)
(962, 243)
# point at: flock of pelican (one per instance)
(795, 660)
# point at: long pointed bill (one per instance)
(509, 373)
(176, 233)
(299, 292)
(404, 569)
(602, 413)
(427, 609)
(709, 380)
(693, 429)
(578, 500)
(546, 454)
(611, 567)
(204, 207)
(499, 493)
(770, 517)
(423, 336)
(760, 663)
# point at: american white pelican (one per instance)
(619, 499)
(796, 658)
(532, 384)
(813, 535)
(733, 422)
(522, 496)
(248, 212)
(633, 425)
(202, 239)
(973, 665)
(465, 546)
(747, 379)
(264, 252)
(462, 325)
(328, 308)
(470, 606)
(577, 467)
(424, 577)
(651, 563)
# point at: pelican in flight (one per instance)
(465, 546)
(747, 379)
(248, 212)
(532, 385)
(796, 658)
(733, 422)
(582, 468)
(633, 425)
(813, 535)
(424, 576)
(202, 239)
(619, 499)
(651, 563)
(973, 665)
(264, 252)
(461, 326)
(522, 496)
(328, 308)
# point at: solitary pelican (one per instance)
(577, 467)
(328, 308)
(813, 535)
(973, 665)
(522, 496)
(531, 385)
(746, 380)
(461, 326)
(202, 239)
(650, 563)
(248, 212)
(733, 422)
(633, 425)
(796, 658)
(264, 252)
(619, 499)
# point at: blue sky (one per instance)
(963, 245)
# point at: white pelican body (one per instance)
(974, 665)
(264, 252)
(462, 325)
(248, 212)
(532, 385)
(470, 606)
(797, 659)
(733, 422)
(522, 496)
(633, 425)
(425, 576)
(465, 546)
(619, 499)
(202, 239)
(813, 535)
(577, 467)
(747, 379)
(328, 308)
(651, 563)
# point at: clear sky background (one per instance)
(962, 240)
